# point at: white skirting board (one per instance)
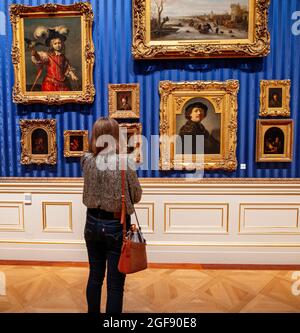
(242, 221)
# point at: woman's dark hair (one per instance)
(189, 109)
(103, 126)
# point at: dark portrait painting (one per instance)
(198, 118)
(124, 100)
(76, 143)
(199, 19)
(39, 142)
(274, 141)
(53, 54)
(275, 97)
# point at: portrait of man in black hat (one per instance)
(275, 97)
(51, 69)
(195, 113)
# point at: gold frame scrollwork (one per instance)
(223, 96)
(17, 15)
(67, 150)
(27, 127)
(284, 110)
(256, 45)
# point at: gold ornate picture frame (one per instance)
(275, 98)
(134, 130)
(46, 68)
(171, 29)
(124, 100)
(38, 141)
(76, 143)
(274, 140)
(218, 129)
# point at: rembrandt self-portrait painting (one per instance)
(47, 69)
(200, 28)
(199, 118)
(198, 124)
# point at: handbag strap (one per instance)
(123, 205)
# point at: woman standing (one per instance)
(102, 197)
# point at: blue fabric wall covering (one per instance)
(114, 64)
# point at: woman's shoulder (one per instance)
(86, 157)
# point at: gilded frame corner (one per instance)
(284, 109)
(135, 129)
(256, 45)
(27, 128)
(223, 97)
(287, 128)
(20, 94)
(68, 152)
(133, 111)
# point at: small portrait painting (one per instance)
(39, 141)
(75, 143)
(274, 140)
(133, 139)
(198, 119)
(275, 97)
(124, 100)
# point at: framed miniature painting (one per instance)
(38, 141)
(134, 140)
(200, 29)
(46, 68)
(274, 140)
(76, 143)
(124, 100)
(198, 110)
(275, 98)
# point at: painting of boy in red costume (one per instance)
(53, 69)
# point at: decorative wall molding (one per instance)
(230, 221)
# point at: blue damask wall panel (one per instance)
(114, 64)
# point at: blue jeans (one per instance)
(103, 239)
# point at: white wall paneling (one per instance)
(240, 221)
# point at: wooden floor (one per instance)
(62, 289)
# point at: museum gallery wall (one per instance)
(123, 70)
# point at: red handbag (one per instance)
(133, 256)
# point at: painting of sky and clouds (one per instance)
(199, 19)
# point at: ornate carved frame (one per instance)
(257, 45)
(265, 86)
(223, 96)
(27, 127)
(286, 125)
(17, 15)
(67, 151)
(136, 130)
(134, 88)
